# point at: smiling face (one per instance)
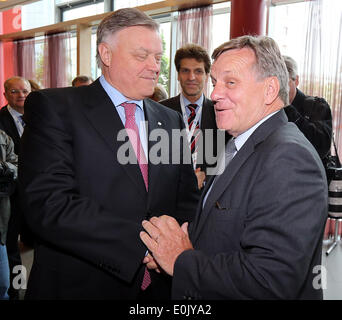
(192, 78)
(131, 61)
(16, 92)
(241, 100)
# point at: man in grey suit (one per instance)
(258, 229)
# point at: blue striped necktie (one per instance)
(21, 121)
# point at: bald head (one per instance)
(16, 91)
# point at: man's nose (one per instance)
(153, 64)
(217, 92)
(192, 75)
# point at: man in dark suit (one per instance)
(193, 66)
(85, 201)
(259, 226)
(16, 91)
(312, 115)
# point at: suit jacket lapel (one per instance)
(101, 113)
(177, 105)
(11, 127)
(208, 120)
(220, 186)
(153, 122)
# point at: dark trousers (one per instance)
(159, 289)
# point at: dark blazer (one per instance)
(259, 235)
(312, 115)
(85, 207)
(208, 121)
(8, 125)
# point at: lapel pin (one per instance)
(159, 123)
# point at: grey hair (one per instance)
(269, 62)
(121, 19)
(291, 66)
(8, 81)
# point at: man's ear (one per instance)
(297, 81)
(271, 90)
(105, 53)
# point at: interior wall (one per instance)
(10, 21)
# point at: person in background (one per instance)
(159, 93)
(8, 173)
(11, 115)
(11, 121)
(81, 81)
(312, 115)
(259, 225)
(85, 200)
(34, 85)
(193, 66)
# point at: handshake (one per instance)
(7, 184)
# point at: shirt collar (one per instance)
(199, 102)
(243, 137)
(116, 96)
(13, 112)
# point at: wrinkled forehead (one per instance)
(134, 32)
(234, 61)
(17, 83)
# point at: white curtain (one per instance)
(322, 68)
(195, 26)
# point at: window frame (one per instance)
(62, 8)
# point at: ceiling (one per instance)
(8, 4)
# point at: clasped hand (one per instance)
(166, 240)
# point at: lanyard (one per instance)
(193, 127)
(185, 118)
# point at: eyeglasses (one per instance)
(16, 91)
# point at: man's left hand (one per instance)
(200, 175)
(166, 240)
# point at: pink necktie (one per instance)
(134, 137)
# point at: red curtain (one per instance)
(57, 60)
(24, 58)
